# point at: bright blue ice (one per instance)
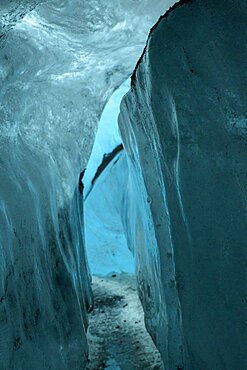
(106, 244)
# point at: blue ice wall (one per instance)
(183, 125)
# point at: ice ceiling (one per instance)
(60, 63)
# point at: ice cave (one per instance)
(123, 158)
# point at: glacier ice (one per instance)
(107, 137)
(105, 187)
(183, 126)
(183, 203)
(106, 244)
(59, 63)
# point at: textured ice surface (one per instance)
(59, 63)
(184, 128)
(12, 11)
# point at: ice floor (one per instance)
(117, 335)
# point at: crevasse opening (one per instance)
(105, 183)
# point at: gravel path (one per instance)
(117, 335)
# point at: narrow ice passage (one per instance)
(106, 245)
(117, 336)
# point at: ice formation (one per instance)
(183, 126)
(182, 199)
(59, 63)
(105, 188)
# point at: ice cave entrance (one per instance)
(105, 182)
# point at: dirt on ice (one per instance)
(117, 335)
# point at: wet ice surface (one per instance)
(117, 335)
